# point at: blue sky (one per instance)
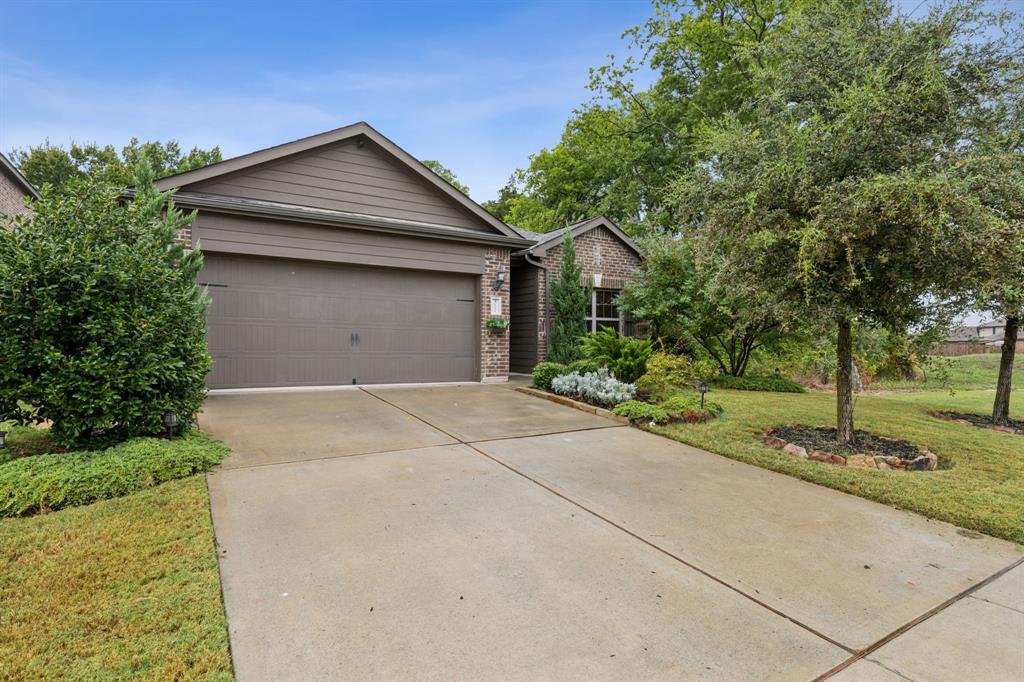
(479, 86)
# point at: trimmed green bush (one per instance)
(584, 366)
(640, 411)
(686, 407)
(32, 484)
(755, 383)
(104, 323)
(545, 372)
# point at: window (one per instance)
(603, 310)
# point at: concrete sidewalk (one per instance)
(473, 532)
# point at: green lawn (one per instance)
(965, 372)
(118, 589)
(980, 481)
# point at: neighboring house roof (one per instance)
(12, 171)
(548, 240)
(330, 137)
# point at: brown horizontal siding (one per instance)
(254, 236)
(346, 177)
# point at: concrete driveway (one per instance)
(473, 532)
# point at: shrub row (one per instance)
(755, 383)
(32, 484)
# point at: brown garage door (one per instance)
(277, 322)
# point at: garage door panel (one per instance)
(276, 322)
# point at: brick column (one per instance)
(494, 342)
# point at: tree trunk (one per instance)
(1001, 409)
(844, 385)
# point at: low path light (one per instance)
(170, 421)
(703, 388)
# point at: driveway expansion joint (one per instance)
(684, 562)
(907, 627)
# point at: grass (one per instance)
(980, 481)
(120, 589)
(965, 372)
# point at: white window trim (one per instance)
(593, 321)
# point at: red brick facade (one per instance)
(494, 342)
(603, 256)
(12, 195)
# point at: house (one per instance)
(14, 187)
(986, 337)
(609, 259)
(340, 259)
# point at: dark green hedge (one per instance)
(770, 383)
(104, 323)
(36, 483)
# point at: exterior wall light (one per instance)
(499, 279)
(170, 421)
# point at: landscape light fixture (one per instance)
(3, 440)
(703, 388)
(170, 421)
(499, 279)
(778, 372)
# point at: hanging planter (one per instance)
(497, 323)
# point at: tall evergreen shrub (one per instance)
(103, 320)
(570, 300)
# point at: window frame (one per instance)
(592, 319)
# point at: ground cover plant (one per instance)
(681, 407)
(980, 482)
(45, 482)
(120, 589)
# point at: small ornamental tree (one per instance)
(569, 299)
(103, 320)
(835, 189)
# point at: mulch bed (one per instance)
(820, 438)
(984, 421)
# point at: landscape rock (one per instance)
(774, 442)
(827, 457)
(794, 449)
(926, 462)
(861, 461)
(882, 465)
(890, 461)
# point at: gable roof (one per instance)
(330, 137)
(12, 171)
(547, 240)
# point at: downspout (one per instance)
(547, 296)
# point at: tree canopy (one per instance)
(446, 173)
(834, 186)
(619, 151)
(52, 164)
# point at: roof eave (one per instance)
(19, 177)
(211, 204)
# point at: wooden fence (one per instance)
(954, 349)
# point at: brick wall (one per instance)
(494, 342)
(11, 196)
(601, 253)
